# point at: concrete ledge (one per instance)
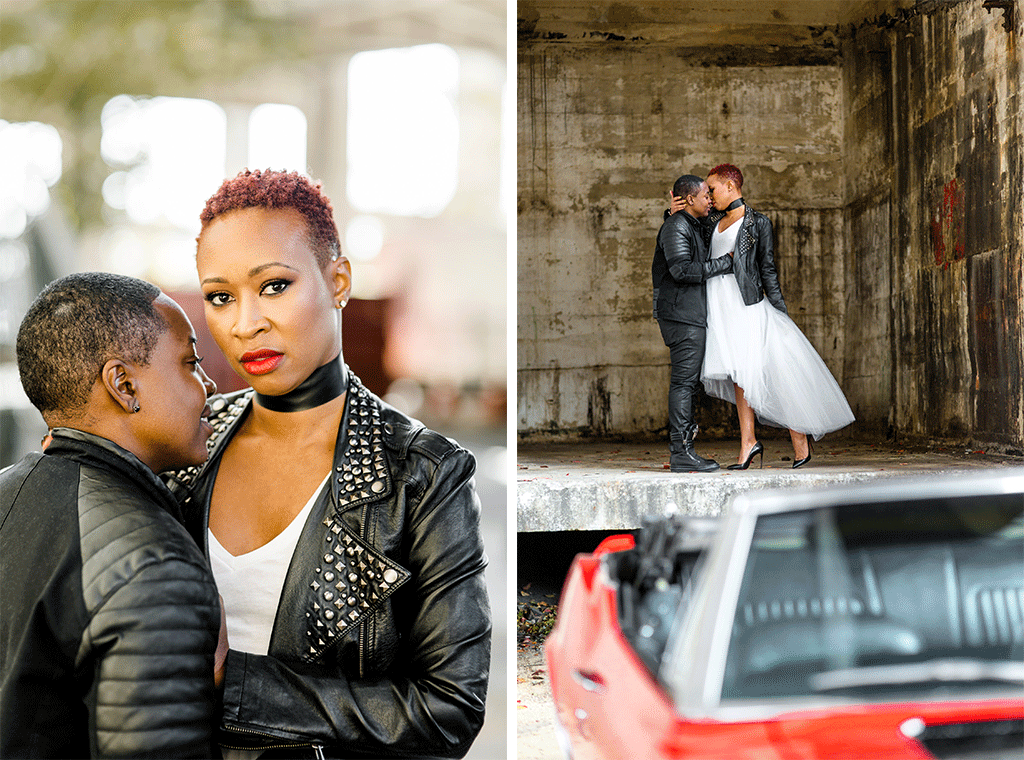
(608, 486)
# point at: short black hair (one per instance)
(76, 325)
(688, 184)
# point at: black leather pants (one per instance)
(686, 350)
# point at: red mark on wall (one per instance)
(947, 225)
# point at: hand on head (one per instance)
(690, 194)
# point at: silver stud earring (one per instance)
(135, 408)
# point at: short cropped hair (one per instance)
(727, 172)
(76, 325)
(688, 184)
(279, 190)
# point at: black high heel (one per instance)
(756, 449)
(806, 459)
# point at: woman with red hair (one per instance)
(756, 356)
(344, 536)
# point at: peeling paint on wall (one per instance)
(947, 225)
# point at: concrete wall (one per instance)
(935, 232)
(886, 153)
(602, 140)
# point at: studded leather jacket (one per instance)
(381, 644)
(109, 614)
(754, 259)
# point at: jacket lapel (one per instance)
(350, 581)
(360, 466)
(350, 578)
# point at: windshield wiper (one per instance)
(953, 669)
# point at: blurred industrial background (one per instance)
(118, 120)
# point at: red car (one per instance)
(867, 622)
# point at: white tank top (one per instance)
(725, 242)
(251, 583)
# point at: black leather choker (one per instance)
(735, 204)
(325, 384)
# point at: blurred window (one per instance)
(277, 138)
(508, 153)
(170, 157)
(30, 164)
(364, 236)
(403, 130)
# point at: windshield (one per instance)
(881, 598)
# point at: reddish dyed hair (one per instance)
(727, 172)
(279, 190)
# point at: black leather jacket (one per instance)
(109, 614)
(381, 645)
(754, 259)
(680, 268)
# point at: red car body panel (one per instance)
(593, 647)
(613, 709)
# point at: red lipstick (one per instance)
(261, 362)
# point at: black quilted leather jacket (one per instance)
(754, 259)
(109, 614)
(681, 267)
(381, 645)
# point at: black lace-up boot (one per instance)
(682, 457)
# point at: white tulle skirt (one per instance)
(760, 349)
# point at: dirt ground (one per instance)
(535, 734)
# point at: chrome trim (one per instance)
(912, 727)
(587, 683)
